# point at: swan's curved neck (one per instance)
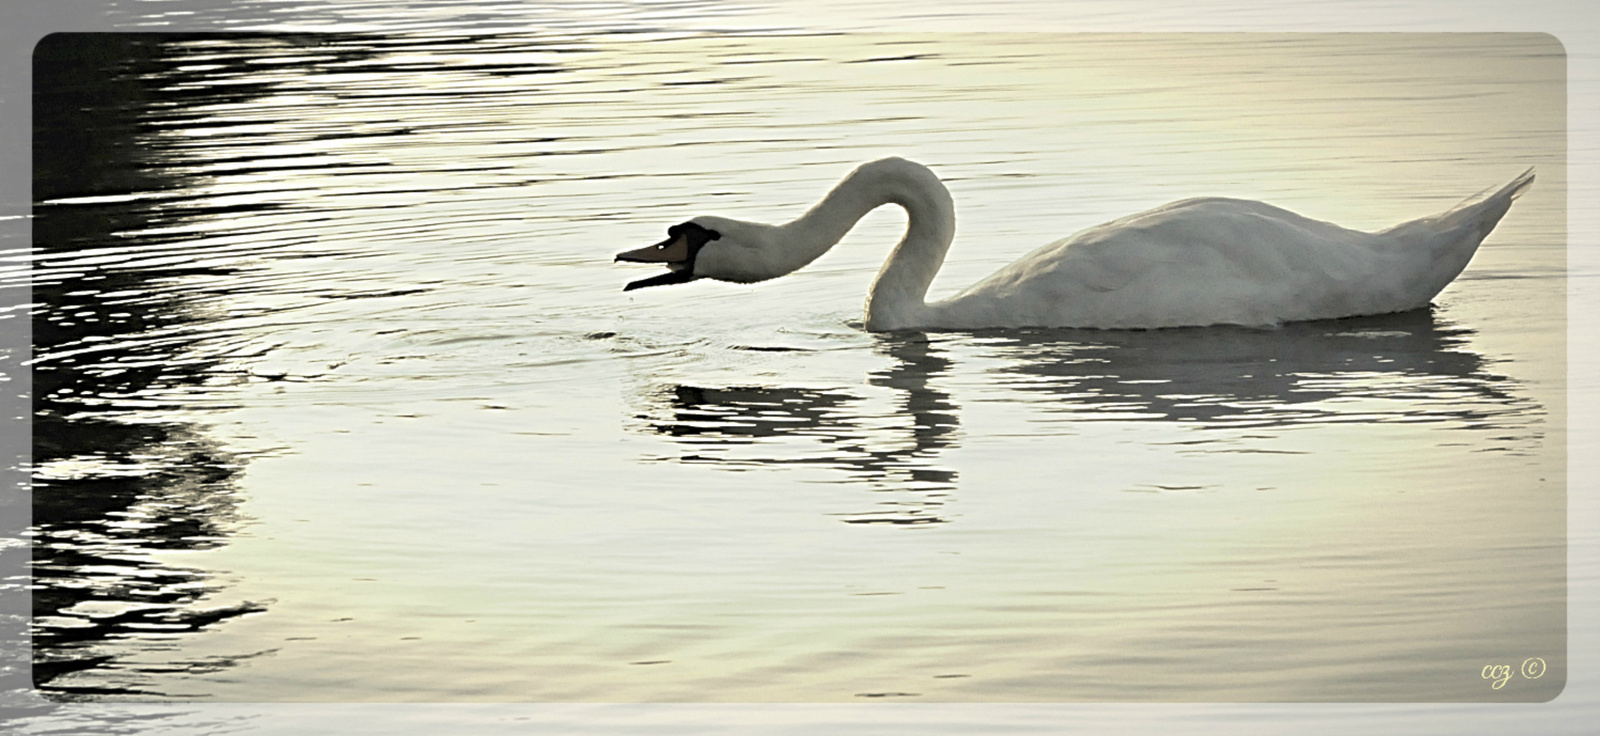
(898, 296)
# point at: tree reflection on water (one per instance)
(115, 485)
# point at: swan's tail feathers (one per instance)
(1510, 191)
(1518, 185)
(1482, 211)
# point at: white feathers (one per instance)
(1194, 262)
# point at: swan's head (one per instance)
(711, 248)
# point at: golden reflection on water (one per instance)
(370, 279)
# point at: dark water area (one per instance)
(110, 344)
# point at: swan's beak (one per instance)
(673, 251)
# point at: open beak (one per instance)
(674, 252)
(670, 277)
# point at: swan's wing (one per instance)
(1198, 261)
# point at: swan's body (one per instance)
(1194, 262)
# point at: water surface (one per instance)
(338, 397)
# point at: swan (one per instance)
(1194, 262)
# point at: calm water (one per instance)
(338, 397)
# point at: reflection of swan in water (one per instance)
(745, 426)
(1195, 262)
(1387, 368)
(1390, 368)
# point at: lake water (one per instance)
(338, 397)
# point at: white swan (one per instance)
(1194, 262)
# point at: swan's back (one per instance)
(1215, 260)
